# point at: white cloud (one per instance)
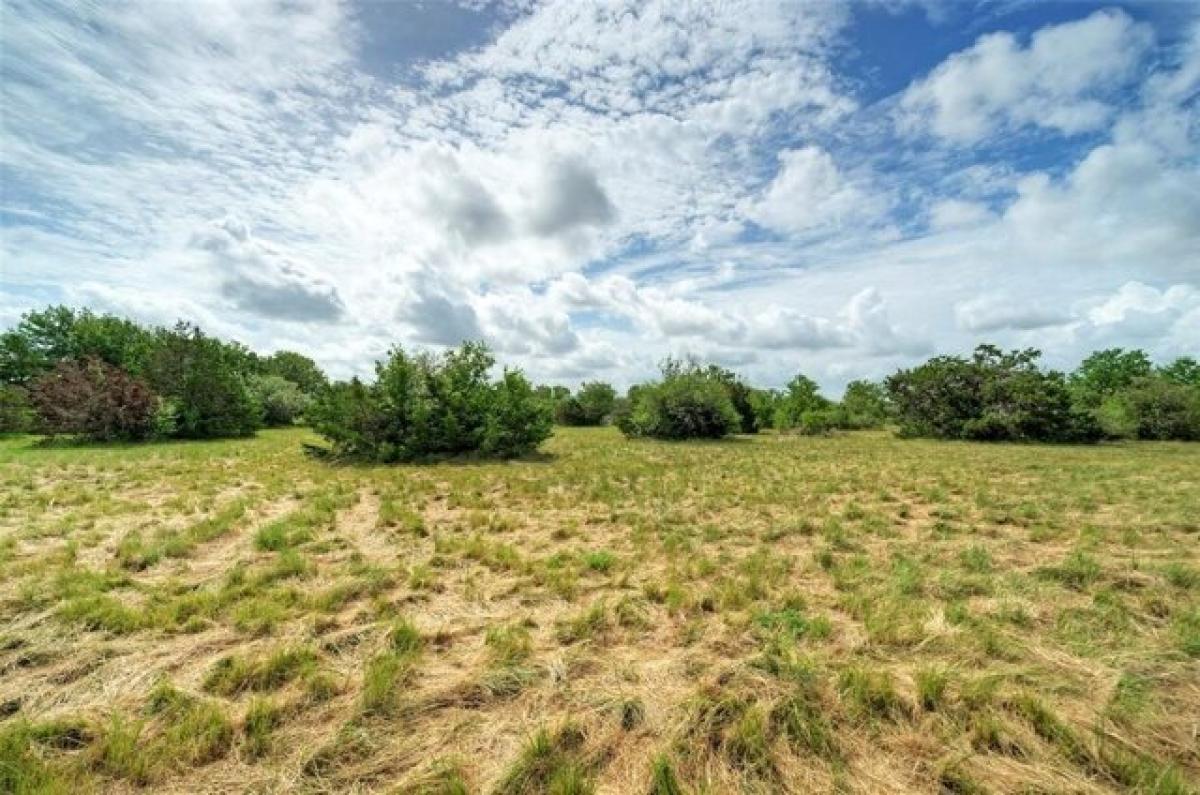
(957, 213)
(437, 318)
(810, 193)
(262, 281)
(1122, 203)
(997, 312)
(1062, 80)
(1144, 306)
(588, 188)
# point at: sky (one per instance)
(834, 188)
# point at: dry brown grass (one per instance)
(856, 614)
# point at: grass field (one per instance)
(854, 613)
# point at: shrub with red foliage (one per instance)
(94, 400)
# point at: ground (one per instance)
(855, 613)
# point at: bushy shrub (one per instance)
(282, 402)
(1116, 419)
(689, 402)
(516, 422)
(93, 400)
(864, 405)
(205, 380)
(994, 396)
(422, 405)
(591, 406)
(16, 415)
(1163, 409)
(740, 396)
(816, 422)
(764, 403)
(801, 395)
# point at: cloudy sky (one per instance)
(839, 188)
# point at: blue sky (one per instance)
(837, 188)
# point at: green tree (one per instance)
(297, 368)
(764, 403)
(44, 338)
(282, 401)
(204, 380)
(423, 405)
(591, 406)
(40, 340)
(1107, 372)
(1185, 370)
(801, 394)
(865, 404)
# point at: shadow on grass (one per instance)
(328, 456)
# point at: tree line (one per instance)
(101, 377)
(105, 378)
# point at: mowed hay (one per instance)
(854, 613)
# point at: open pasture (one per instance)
(777, 613)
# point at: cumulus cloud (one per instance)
(571, 197)
(260, 280)
(783, 328)
(437, 318)
(995, 312)
(1146, 309)
(1063, 80)
(518, 323)
(810, 193)
(591, 186)
(1121, 203)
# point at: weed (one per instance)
(232, 675)
(550, 762)
(263, 716)
(384, 675)
(871, 693)
(931, 687)
(509, 645)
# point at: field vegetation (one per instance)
(417, 584)
(770, 613)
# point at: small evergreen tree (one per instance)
(422, 406)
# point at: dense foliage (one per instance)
(424, 405)
(95, 400)
(801, 405)
(1153, 407)
(296, 368)
(283, 402)
(864, 405)
(992, 396)
(689, 402)
(96, 376)
(592, 405)
(16, 415)
(204, 381)
(200, 386)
